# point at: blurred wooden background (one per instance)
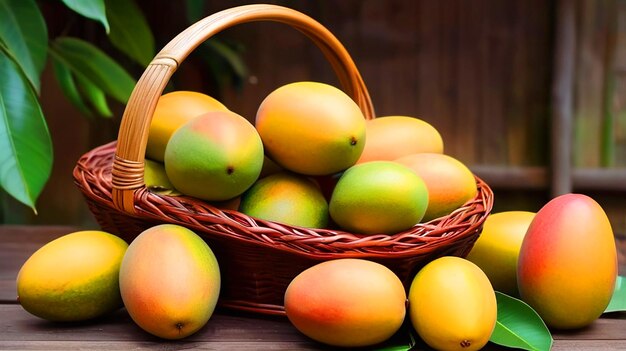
(481, 71)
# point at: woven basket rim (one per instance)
(92, 176)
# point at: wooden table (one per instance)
(226, 330)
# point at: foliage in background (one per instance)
(86, 74)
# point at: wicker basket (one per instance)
(257, 258)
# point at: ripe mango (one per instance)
(497, 249)
(172, 111)
(567, 264)
(450, 183)
(452, 305)
(287, 198)
(169, 281)
(311, 128)
(346, 302)
(73, 278)
(391, 137)
(214, 157)
(378, 197)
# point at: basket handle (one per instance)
(128, 165)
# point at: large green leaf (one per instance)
(92, 9)
(519, 326)
(95, 96)
(88, 62)
(25, 36)
(68, 86)
(130, 32)
(78, 89)
(25, 145)
(618, 301)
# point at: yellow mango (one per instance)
(452, 305)
(497, 249)
(311, 128)
(73, 278)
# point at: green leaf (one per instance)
(25, 35)
(130, 32)
(618, 301)
(76, 90)
(95, 96)
(25, 145)
(88, 62)
(519, 326)
(92, 9)
(68, 86)
(395, 348)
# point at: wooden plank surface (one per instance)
(226, 330)
(229, 331)
(19, 325)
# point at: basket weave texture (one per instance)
(258, 258)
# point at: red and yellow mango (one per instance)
(391, 137)
(169, 281)
(346, 302)
(567, 264)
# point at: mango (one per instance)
(156, 179)
(346, 302)
(172, 111)
(214, 157)
(169, 281)
(378, 197)
(391, 137)
(567, 264)
(73, 278)
(452, 305)
(450, 183)
(286, 198)
(497, 249)
(311, 128)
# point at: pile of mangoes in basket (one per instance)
(312, 160)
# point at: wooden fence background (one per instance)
(481, 71)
